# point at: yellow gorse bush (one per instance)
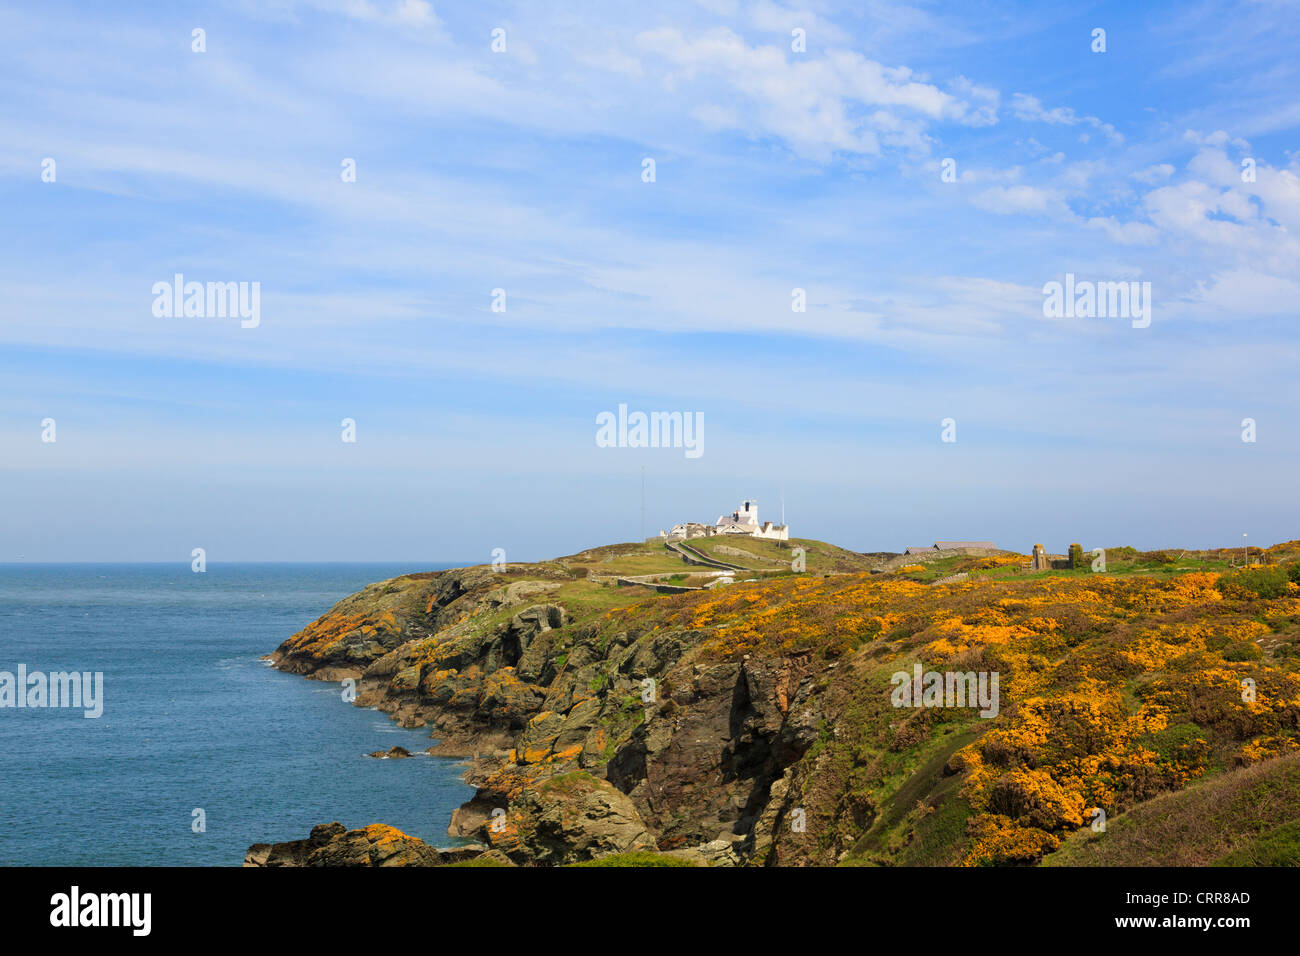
(1113, 689)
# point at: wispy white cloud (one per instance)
(1030, 109)
(838, 102)
(818, 170)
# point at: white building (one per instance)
(744, 520)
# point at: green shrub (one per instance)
(1077, 559)
(1243, 651)
(1266, 583)
(1217, 642)
(1175, 740)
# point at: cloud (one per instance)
(1009, 200)
(478, 171)
(774, 18)
(1031, 110)
(841, 102)
(1244, 292)
(1154, 174)
(1198, 210)
(1125, 233)
(406, 12)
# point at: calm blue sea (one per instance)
(192, 719)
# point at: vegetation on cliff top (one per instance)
(1117, 689)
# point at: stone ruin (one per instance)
(1041, 562)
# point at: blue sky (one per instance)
(521, 170)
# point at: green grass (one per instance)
(1277, 847)
(1228, 820)
(766, 554)
(903, 796)
(650, 557)
(587, 599)
(939, 836)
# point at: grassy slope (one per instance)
(762, 554)
(1243, 818)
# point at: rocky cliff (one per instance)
(754, 724)
(591, 736)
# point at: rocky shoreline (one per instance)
(332, 844)
(584, 739)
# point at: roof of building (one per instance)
(732, 519)
(953, 545)
(919, 549)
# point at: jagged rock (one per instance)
(331, 844)
(723, 851)
(407, 679)
(567, 819)
(469, 818)
(460, 854)
(582, 718)
(538, 738)
(391, 753)
(539, 617)
(516, 592)
(523, 629)
(773, 815)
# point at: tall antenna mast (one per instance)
(643, 502)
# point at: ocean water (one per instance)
(193, 720)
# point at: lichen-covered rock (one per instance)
(538, 738)
(566, 818)
(363, 628)
(331, 844)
